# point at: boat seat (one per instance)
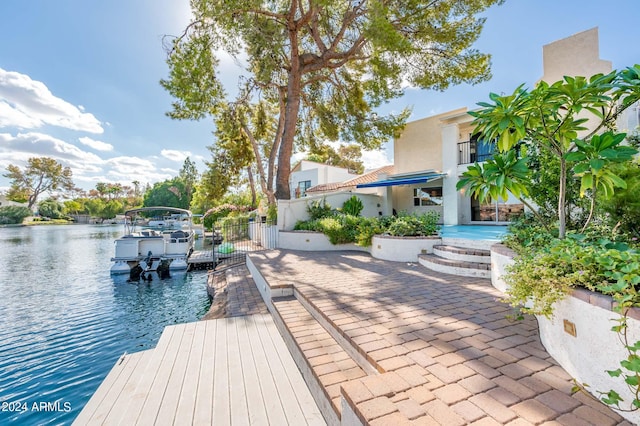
(179, 234)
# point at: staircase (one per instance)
(465, 262)
(341, 359)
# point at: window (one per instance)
(494, 212)
(427, 196)
(301, 190)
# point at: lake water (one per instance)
(64, 321)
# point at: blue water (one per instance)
(64, 321)
(474, 232)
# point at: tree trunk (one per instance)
(252, 185)
(292, 109)
(562, 214)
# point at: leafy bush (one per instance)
(50, 208)
(539, 277)
(234, 228)
(353, 206)
(13, 215)
(526, 232)
(415, 225)
(367, 228)
(319, 209)
(340, 229)
(343, 228)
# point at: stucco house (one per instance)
(306, 174)
(431, 153)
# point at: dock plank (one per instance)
(247, 332)
(292, 410)
(139, 395)
(230, 371)
(175, 380)
(155, 393)
(105, 396)
(196, 361)
(204, 396)
(221, 403)
(273, 405)
(237, 393)
(308, 406)
(115, 415)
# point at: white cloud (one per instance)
(128, 169)
(97, 145)
(375, 159)
(29, 104)
(174, 155)
(39, 144)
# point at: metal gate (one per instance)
(234, 238)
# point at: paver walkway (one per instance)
(477, 366)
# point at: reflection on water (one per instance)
(66, 320)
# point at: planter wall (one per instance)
(501, 256)
(312, 241)
(402, 249)
(579, 335)
(594, 348)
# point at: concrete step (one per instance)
(463, 254)
(324, 363)
(455, 267)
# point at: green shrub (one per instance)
(13, 215)
(415, 225)
(353, 206)
(307, 225)
(543, 276)
(234, 228)
(341, 229)
(344, 228)
(319, 209)
(367, 228)
(526, 232)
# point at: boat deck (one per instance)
(226, 371)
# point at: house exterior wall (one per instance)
(294, 210)
(317, 174)
(433, 142)
(576, 55)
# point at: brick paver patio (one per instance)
(445, 346)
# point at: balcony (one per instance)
(475, 151)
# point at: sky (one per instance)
(79, 80)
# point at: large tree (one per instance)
(168, 193)
(346, 156)
(41, 175)
(325, 66)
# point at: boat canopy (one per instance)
(133, 212)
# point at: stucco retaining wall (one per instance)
(312, 241)
(579, 335)
(402, 249)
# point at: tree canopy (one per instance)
(318, 70)
(168, 193)
(41, 175)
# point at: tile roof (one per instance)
(371, 176)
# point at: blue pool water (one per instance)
(65, 321)
(474, 232)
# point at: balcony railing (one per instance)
(474, 151)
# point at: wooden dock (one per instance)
(228, 371)
(201, 259)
